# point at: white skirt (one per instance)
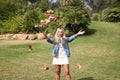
(61, 58)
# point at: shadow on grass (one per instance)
(90, 32)
(87, 78)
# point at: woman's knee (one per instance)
(67, 73)
(57, 69)
(57, 72)
(66, 69)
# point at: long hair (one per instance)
(56, 37)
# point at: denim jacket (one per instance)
(66, 47)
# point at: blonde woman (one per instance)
(61, 52)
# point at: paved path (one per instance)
(14, 42)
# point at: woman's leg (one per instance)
(57, 72)
(67, 72)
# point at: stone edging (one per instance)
(38, 36)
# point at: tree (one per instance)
(99, 5)
(13, 25)
(72, 16)
(7, 10)
(32, 18)
(112, 14)
(45, 5)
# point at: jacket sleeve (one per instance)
(69, 39)
(50, 40)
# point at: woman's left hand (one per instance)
(80, 33)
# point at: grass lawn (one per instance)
(97, 52)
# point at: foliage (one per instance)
(7, 10)
(73, 16)
(13, 25)
(62, 20)
(99, 5)
(45, 5)
(115, 4)
(23, 6)
(31, 18)
(97, 16)
(51, 28)
(112, 15)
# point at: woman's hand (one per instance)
(45, 34)
(80, 33)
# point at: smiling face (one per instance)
(60, 33)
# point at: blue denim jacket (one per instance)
(66, 47)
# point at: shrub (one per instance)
(45, 5)
(72, 16)
(72, 19)
(51, 28)
(95, 17)
(13, 25)
(31, 18)
(112, 14)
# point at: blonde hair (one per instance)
(56, 37)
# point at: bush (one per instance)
(31, 18)
(23, 23)
(51, 28)
(72, 19)
(95, 17)
(13, 25)
(45, 5)
(112, 14)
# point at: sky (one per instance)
(53, 0)
(84, 3)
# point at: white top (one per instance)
(61, 58)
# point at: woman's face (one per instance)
(60, 33)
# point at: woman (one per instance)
(61, 52)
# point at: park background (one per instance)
(97, 51)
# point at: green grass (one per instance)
(97, 52)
